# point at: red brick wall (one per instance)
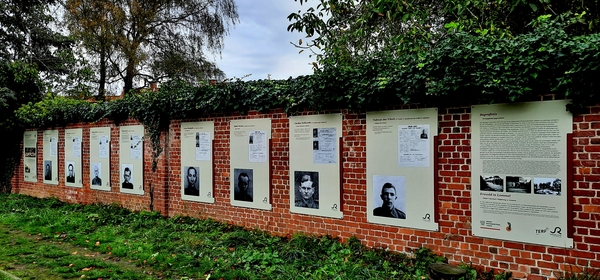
(453, 240)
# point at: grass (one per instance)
(49, 239)
(34, 257)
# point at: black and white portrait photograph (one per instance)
(197, 139)
(48, 170)
(315, 133)
(70, 176)
(424, 134)
(493, 183)
(95, 175)
(191, 181)
(243, 187)
(306, 189)
(518, 184)
(127, 172)
(547, 186)
(389, 194)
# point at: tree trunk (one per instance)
(102, 82)
(128, 80)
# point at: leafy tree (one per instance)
(27, 35)
(344, 32)
(30, 34)
(89, 21)
(152, 40)
(19, 84)
(33, 57)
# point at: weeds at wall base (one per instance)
(182, 246)
(585, 273)
(187, 247)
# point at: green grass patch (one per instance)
(129, 245)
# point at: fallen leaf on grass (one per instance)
(74, 253)
(87, 268)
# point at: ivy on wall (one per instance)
(461, 68)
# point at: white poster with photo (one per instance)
(197, 161)
(131, 159)
(257, 146)
(50, 154)
(414, 145)
(249, 161)
(136, 143)
(54, 146)
(519, 166)
(203, 145)
(77, 147)
(400, 168)
(73, 161)
(30, 156)
(103, 143)
(325, 143)
(99, 168)
(315, 177)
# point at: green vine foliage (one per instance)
(462, 68)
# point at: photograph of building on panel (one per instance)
(548, 186)
(491, 183)
(518, 184)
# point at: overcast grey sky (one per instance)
(260, 43)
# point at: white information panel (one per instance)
(99, 169)
(131, 159)
(73, 160)
(400, 168)
(519, 162)
(197, 161)
(50, 138)
(315, 165)
(249, 161)
(30, 156)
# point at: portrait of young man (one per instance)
(243, 188)
(191, 182)
(97, 169)
(389, 194)
(127, 178)
(307, 186)
(48, 170)
(70, 172)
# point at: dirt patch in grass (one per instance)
(35, 257)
